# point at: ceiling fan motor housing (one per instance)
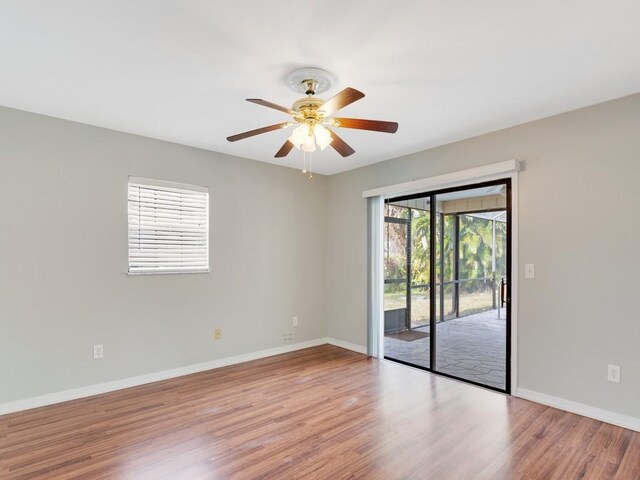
(308, 109)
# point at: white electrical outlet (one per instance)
(98, 352)
(529, 271)
(613, 373)
(295, 321)
(287, 337)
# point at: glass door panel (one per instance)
(406, 292)
(471, 335)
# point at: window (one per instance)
(168, 227)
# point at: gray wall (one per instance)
(283, 246)
(63, 258)
(579, 225)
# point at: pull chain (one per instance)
(304, 164)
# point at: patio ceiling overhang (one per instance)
(499, 216)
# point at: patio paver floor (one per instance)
(471, 347)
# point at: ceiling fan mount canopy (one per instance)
(310, 79)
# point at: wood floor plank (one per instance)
(319, 413)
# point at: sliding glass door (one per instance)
(447, 263)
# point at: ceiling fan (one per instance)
(313, 117)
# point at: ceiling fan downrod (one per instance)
(310, 86)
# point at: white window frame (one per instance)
(168, 186)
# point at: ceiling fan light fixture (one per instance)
(307, 138)
(323, 137)
(309, 144)
(299, 135)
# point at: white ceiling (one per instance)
(445, 70)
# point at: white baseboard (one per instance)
(625, 421)
(607, 416)
(347, 345)
(82, 392)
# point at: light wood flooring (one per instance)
(319, 413)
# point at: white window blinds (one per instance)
(168, 227)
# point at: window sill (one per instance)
(165, 272)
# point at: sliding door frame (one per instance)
(494, 171)
(432, 195)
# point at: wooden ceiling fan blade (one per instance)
(275, 106)
(284, 150)
(341, 100)
(258, 131)
(340, 146)
(361, 124)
